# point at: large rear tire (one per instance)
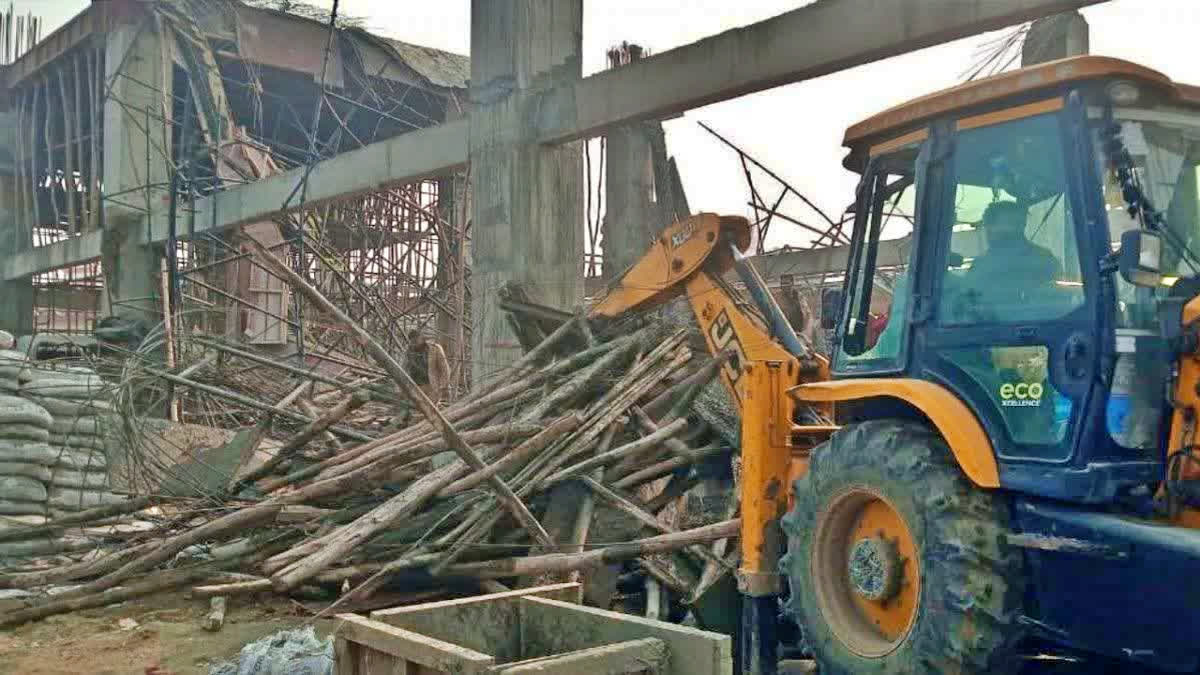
(896, 563)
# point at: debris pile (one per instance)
(511, 484)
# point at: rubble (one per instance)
(606, 410)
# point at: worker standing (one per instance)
(428, 366)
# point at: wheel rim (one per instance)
(866, 572)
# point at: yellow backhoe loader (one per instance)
(1012, 466)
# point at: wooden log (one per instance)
(641, 378)
(385, 456)
(151, 583)
(215, 619)
(312, 411)
(302, 437)
(663, 575)
(82, 518)
(606, 410)
(566, 562)
(336, 545)
(472, 409)
(627, 506)
(629, 449)
(537, 354)
(557, 429)
(249, 402)
(234, 521)
(563, 395)
(665, 467)
(80, 570)
(453, 439)
(675, 489)
(689, 386)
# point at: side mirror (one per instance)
(831, 307)
(1140, 258)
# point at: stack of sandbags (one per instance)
(13, 367)
(25, 458)
(76, 400)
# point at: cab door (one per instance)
(1014, 326)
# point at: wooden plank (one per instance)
(345, 657)
(549, 627)
(647, 655)
(485, 623)
(414, 647)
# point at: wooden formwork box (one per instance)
(540, 630)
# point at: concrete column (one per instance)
(454, 208)
(16, 296)
(527, 214)
(1055, 37)
(629, 219)
(136, 144)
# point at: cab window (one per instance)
(1013, 252)
(877, 287)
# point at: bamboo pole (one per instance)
(310, 431)
(249, 402)
(553, 432)
(567, 562)
(412, 391)
(641, 515)
(633, 448)
(665, 467)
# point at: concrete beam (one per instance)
(527, 211)
(406, 158)
(402, 159)
(821, 38)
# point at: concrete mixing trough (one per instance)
(536, 630)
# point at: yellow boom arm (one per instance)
(766, 359)
(691, 257)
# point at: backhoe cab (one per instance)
(1024, 252)
(1015, 371)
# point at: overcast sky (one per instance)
(796, 130)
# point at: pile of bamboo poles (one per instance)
(501, 487)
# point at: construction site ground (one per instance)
(167, 638)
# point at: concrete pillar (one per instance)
(16, 296)
(629, 219)
(136, 145)
(1055, 37)
(454, 208)
(527, 214)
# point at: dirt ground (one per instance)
(167, 640)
